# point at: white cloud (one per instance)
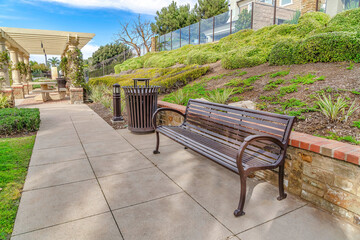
(88, 50)
(137, 6)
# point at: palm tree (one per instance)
(54, 61)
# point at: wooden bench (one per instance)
(240, 139)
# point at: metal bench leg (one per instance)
(156, 151)
(239, 211)
(281, 183)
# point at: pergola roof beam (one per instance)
(12, 42)
(54, 42)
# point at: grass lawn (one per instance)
(15, 155)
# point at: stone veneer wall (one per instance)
(321, 171)
(76, 95)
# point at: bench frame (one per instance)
(244, 173)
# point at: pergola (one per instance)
(20, 43)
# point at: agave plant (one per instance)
(335, 110)
(219, 95)
(180, 97)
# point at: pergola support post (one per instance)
(15, 73)
(4, 69)
(28, 74)
(74, 71)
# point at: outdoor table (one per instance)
(44, 89)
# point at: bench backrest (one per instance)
(233, 124)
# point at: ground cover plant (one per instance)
(290, 90)
(18, 121)
(15, 155)
(316, 38)
(167, 78)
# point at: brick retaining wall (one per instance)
(322, 171)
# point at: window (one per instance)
(267, 1)
(285, 2)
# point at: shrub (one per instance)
(219, 95)
(237, 60)
(345, 21)
(283, 53)
(201, 57)
(329, 47)
(312, 21)
(162, 61)
(13, 120)
(4, 101)
(181, 79)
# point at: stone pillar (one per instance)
(14, 60)
(4, 70)
(73, 43)
(76, 95)
(21, 60)
(27, 77)
(17, 86)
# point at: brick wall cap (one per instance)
(76, 89)
(17, 86)
(6, 90)
(327, 147)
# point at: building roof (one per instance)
(34, 41)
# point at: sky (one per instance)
(102, 17)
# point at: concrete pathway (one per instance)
(88, 181)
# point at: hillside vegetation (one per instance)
(316, 38)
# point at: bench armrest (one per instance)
(253, 138)
(164, 109)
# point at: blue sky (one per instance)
(101, 17)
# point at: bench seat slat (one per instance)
(216, 149)
(247, 112)
(256, 146)
(192, 113)
(237, 117)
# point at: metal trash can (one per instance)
(141, 103)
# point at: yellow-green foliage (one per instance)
(167, 78)
(249, 48)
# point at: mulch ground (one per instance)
(338, 78)
(107, 115)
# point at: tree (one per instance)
(210, 8)
(244, 20)
(108, 51)
(172, 17)
(54, 61)
(36, 67)
(135, 34)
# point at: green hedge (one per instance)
(345, 21)
(202, 57)
(283, 53)
(13, 120)
(237, 60)
(323, 47)
(329, 47)
(181, 78)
